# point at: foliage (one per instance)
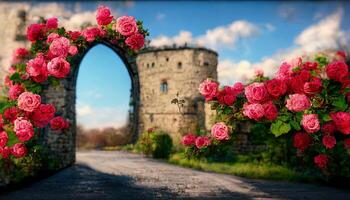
(155, 143)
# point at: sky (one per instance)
(247, 36)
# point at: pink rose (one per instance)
(28, 101)
(310, 123)
(5, 152)
(103, 16)
(220, 131)
(337, 71)
(135, 42)
(73, 50)
(321, 160)
(19, 150)
(7, 81)
(298, 102)
(58, 67)
(188, 140)
(15, 91)
(253, 111)
(58, 123)
(36, 32)
(36, 68)
(284, 71)
(276, 87)
(11, 113)
(91, 33)
(60, 47)
(51, 37)
(256, 93)
(270, 110)
(329, 141)
(43, 114)
(3, 138)
(302, 141)
(209, 89)
(202, 142)
(227, 96)
(74, 35)
(24, 129)
(328, 128)
(19, 54)
(313, 87)
(126, 25)
(342, 122)
(52, 23)
(238, 88)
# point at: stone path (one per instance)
(120, 175)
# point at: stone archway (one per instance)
(62, 146)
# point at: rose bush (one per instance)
(305, 102)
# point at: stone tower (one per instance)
(163, 74)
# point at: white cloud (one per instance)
(222, 36)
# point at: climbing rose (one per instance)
(296, 83)
(126, 25)
(202, 141)
(337, 71)
(302, 141)
(103, 16)
(276, 87)
(342, 122)
(209, 89)
(135, 42)
(19, 54)
(28, 101)
(253, 111)
(220, 131)
(24, 129)
(310, 123)
(91, 33)
(284, 71)
(256, 93)
(36, 32)
(1, 122)
(321, 160)
(73, 50)
(270, 110)
(43, 114)
(310, 65)
(328, 128)
(74, 35)
(11, 113)
(58, 123)
(60, 47)
(347, 143)
(5, 152)
(19, 150)
(58, 67)
(313, 87)
(329, 141)
(36, 68)
(298, 102)
(51, 37)
(52, 23)
(3, 138)
(227, 96)
(188, 140)
(15, 91)
(238, 88)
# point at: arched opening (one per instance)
(103, 90)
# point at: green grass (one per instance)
(243, 169)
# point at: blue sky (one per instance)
(247, 35)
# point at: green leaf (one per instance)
(340, 103)
(12, 139)
(326, 117)
(279, 128)
(295, 125)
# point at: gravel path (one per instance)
(120, 175)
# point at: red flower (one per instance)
(227, 96)
(36, 32)
(43, 114)
(310, 65)
(58, 123)
(337, 71)
(321, 160)
(19, 150)
(271, 111)
(276, 87)
(3, 138)
(328, 128)
(188, 140)
(313, 87)
(135, 42)
(103, 16)
(52, 23)
(347, 143)
(302, 140)
(329, 141)
(11, 113)
(74, 35)
(342, 122)
(202, 141)
(256, 93)
(5, 152)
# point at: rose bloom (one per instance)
(238, 88)
(227, 96)
(220, 131)
(126, 25)
(329, 141)
(19, 150)
(302, 141)
(52, 23)
(11, 113)
(135, 42)
(296, 83)
(58, 123)
(60, 47)
(19, 54)
(1, 122)
(3, 138)
(341, 55)
(310, 65)
(202, 141)
(284, 72)
(28, 101)
(91, 33)
(43, 114)
(58, 67)
(36, 32)
(328, 128)
(342, 122)
(7, 81)
(15, 91)
(347, 143)
(270, 110)
(310, 123)
(73, 50)
(321, 160)
(5, 152)
(74, 35)
(51, 37)
(188, 140)
(209, 89)
(24, 129)
(276, 87)
(256, 93)
(337, 71)
(103, 16)
(253, 111)
(313, 87)
(298, 102)
(36, 69)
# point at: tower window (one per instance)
(153, 65)
(164, 87)
(167, 59)
(179, 65)
(151, 118)
(147, 65)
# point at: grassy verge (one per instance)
(248, 170)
